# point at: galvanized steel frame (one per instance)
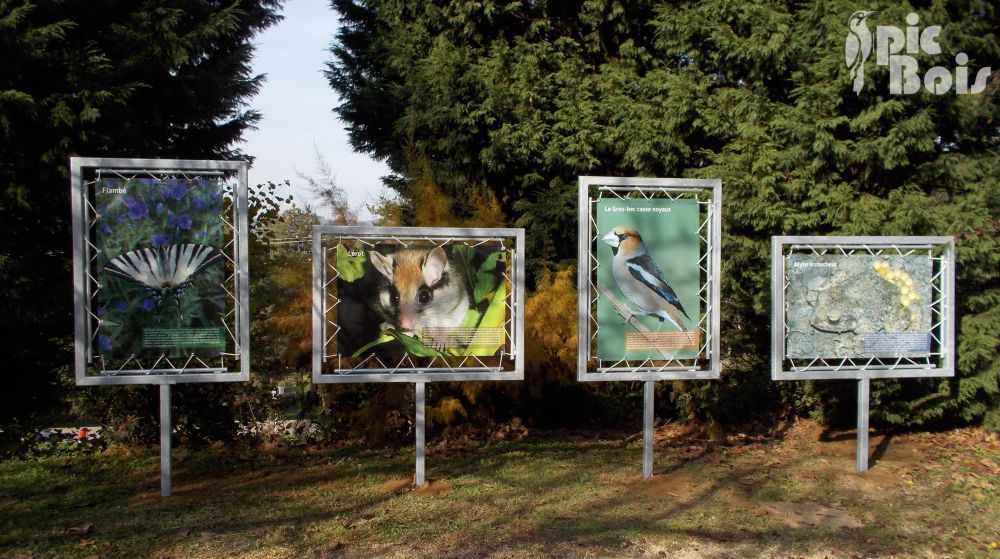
(943, 306)
(414, 373)
(80, 203)
(650, 370)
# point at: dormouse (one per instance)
(421, 291)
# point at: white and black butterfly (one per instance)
(165, 271)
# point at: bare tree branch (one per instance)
(623, 311)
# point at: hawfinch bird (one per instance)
(640, 279)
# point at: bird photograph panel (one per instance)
(648, 279)
(160, 268)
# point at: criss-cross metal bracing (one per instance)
(330, 366)
(707, 193)
(938, 362)
(91, 365)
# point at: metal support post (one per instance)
(863, 425)
(647, 430)
(165, 428)
(421, 422)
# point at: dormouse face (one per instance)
(414, 277)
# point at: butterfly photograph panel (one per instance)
(160, 266)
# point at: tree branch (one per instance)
(626, 313)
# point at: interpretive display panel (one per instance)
(858, 305)
(406, 304)
(160, 259)
(648, 263)
(160, 264)
(863, 306)
(648, 278)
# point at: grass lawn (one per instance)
(547, 495)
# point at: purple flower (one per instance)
(106, 229)
(199, 203)
(147, 304)
(104, 343)
(183, 221)
(173, 190)
(102, 209)
(160, 240)
(137, 209)
(159, 208)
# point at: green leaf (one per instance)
(385, 337)
(461, 257)
(488, 277)
(496, 313)
(412, 345)
(350, 267)
(494, 317)
(471, 319)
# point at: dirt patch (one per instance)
(394, 486)
(873, 485)
(179, 493)
(810, 515)
(433, 489)
(838, 445)
(675, 434)
(677, 486)
(890, 449)
(809, 431)
(398, 486)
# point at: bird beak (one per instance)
(611, 239)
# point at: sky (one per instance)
(296, 104)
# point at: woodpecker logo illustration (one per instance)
(858, 47)
(897, 50)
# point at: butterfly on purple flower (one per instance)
(165, 271)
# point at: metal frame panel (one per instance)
(79, 197)
(945, 308)
(415, 374)
(713, 237)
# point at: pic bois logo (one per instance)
(895, 47)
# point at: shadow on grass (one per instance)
(621, 511)
(213, 493)
(540, 496)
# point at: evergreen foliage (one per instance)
(525, 96)
(150, 79)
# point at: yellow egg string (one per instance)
(902, 280)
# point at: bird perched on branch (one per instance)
(641, 280)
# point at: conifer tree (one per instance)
(99, 78)
(525, 96)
